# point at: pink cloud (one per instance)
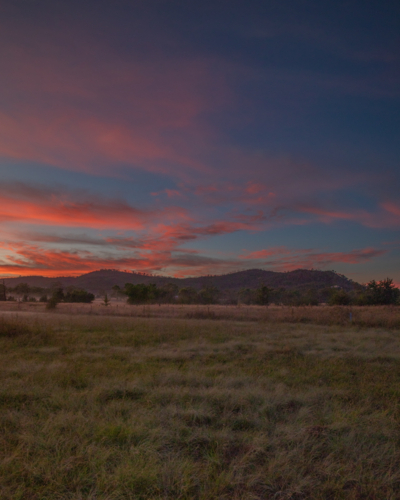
(32, 260)
(24, 204)
(262, 254)
(392, 208)
(159, 233)
(289, 259)
(386, 215)
(65, 111)
(254, 188)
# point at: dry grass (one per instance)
(365, 316)
(117, 407)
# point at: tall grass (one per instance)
(108, 407)
(362, 316)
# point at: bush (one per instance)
(52, 303)
(141, 293)
(187, 295)
(339, 298)
(78, 295)
(209, 295)
(263, 294)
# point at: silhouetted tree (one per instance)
(187, 295)
(168, 292)
(141, 293)
(382, 292)
(262, 295)
(78, 295)
(339, 298)
(117, 292)
(57, 294)
(209, 295)
(22, 289)
(3, 292)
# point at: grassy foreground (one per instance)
(97, 407)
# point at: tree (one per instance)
(246, 296)
(52, 303)
(78, 295)
(263, 295)
(22, 289)
(383, 292)
(168, 292)
(117, 292)
(141, 293)
(3, 290)
(187, 295)
(309, 298)
(57, 294)
(209, 295)
(339, 298)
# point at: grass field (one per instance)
(180, 407)
(363, 316)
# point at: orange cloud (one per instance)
(33, 260)
(44, 206)
(156, 245)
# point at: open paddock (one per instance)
(163, 402)
(362, 316)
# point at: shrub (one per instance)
(209, 295)
(339, 298)
(52, 303)
(78, 295)
(187, 295)
(141, 293)
(263, 295)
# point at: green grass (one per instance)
(133, 408)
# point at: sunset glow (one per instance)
(199, 139)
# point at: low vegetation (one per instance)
(117, 407)
(357, 316)
(373, 293)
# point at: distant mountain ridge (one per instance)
(104, 279)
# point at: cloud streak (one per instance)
(282, 258)
(22, 203)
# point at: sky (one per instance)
(186, 138)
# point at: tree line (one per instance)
(373, 293)
(52, 296)
(382, 292)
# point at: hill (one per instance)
(105, 279)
